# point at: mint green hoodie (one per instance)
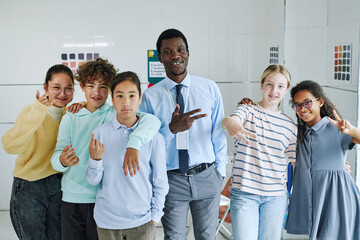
(76, 129)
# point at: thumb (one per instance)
(177, 110)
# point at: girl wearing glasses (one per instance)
(36, 194)
(265, 139)
(325, 199)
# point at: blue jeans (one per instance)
(35, 208)
(255, 217)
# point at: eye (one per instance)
(119, 96)
(307, 103)
(132, 95)
(167, 51)
(57, 88)
(103, 87)
(181, 50)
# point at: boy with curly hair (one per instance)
(71, 154)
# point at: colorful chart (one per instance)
(74, 60)
(342, 62)
(274, 55)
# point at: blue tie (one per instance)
(183, 153)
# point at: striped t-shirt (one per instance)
(261, 167)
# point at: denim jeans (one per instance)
(35, 208)
(255, 217)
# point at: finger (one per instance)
(250, 134)
(134, 167)
(129, 167)
(137, 164)
(66, 148)
(177, 110)
(332, 121)
(198, 116)
(243, 137)
(192, 112)
(336, 115)
(37, 94)
(125, 168)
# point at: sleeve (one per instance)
(290, 151)
(159, 180)
(63, 139)
(29, 120)
(145, 106)
(242, 112)
(218, 136)
(346, 141)
(147, 128)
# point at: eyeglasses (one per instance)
(307, 104)
(58, 90)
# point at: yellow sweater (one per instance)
(33, 138)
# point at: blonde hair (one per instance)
(279, 69)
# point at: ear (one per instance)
(321, 101)
(46, 87)
(82, 87)
(159, 57)
(112, 99)
(140, 99)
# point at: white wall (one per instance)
(312, 29)
(228, 41)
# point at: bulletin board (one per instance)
(274, 55)
(74, 60)
(342, 62)
(156, 70)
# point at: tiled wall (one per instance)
(228, 41)
(312, 29)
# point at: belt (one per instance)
(194, 170)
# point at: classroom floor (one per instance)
(7, 231)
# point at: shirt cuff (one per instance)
(156, 216)
(167, 134)
(221, 169)
(134, 142)
(97, 164)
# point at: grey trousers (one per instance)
(200, 193)
(143, 232)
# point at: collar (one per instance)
(98, 111)
(170, 84)
(318, 125)
(116, 125)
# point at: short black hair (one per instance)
(169, 34)
(58, 68)
(131, 76)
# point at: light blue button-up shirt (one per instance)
(126, 202)
(207, 140)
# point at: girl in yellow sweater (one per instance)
(36, 194)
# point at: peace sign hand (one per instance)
(235, 129)
(343, 125)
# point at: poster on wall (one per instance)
(75, 60)
(156, 70)
(274, 55)
(342, 62)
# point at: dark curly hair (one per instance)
(92, 70)
(315, 89)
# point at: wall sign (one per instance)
(342, 62)
(156, 70)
